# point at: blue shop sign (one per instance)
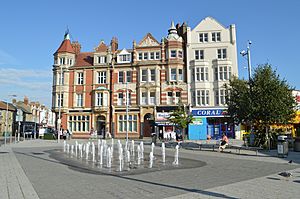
(209, 112)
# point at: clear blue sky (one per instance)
(32, 30)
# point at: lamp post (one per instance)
(243, 53)
(6, 121)
(59, 105)
(127, 104)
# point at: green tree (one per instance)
(181, 119)
(263, 101)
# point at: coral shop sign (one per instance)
(209, 112)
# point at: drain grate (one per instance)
(37, 153)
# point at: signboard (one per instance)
(162, 116)
(209, 112)
(198, 121)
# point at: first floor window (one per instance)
(170, 98)
(199, 54)
(145, 55)
(152, 75)
(152, 97)
(120, 99)
(79, 100)
(128, 76)
(177, 97)
(140, 56)
(144, 75)
(202, 98)
(144, 98)
(157, 55)
(180, 74)
(60, 100)
(222, 73)
(152, 55)
(220, 97)
(99, 99)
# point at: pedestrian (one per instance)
(224, 142)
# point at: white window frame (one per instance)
(101, 77)
(121, 76)
(203, 37)
(173, 76)
(144, 77)
(180, 74)
(80, 78)
(173, 53)
(152, 75)
(101, 59)
(120, 99)
(99, 99)
(144, 98)
(152, 98)
(79, 100)
(222, 53)
(157, 55)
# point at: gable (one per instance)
(148, 40)
(124, 52)
(209, 23)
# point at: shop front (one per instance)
(164, 128)
(210, 124)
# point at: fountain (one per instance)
(163, 152)
(176, 162)
(132, 160)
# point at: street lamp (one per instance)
(59, 105)
(6, 121)
(127, 104)
(243, 53)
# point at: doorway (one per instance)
(101, 126)
(148, 125)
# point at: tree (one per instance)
(263, 101)
(181, 119)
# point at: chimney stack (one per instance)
(114, 44)
(26, 100)
(76, 46)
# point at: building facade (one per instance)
(132, 91)
(211, 62)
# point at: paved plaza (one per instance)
(28, 171)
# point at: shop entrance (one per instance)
(101, 126)
(217, 126)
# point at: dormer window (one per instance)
(62, 61)
(124, 57)
(102, 59)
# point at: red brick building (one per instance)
(91, 89)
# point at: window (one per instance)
(157, 55)
(124, 58)
(99, 99)
(79, 123)
(144, 98)
(144, 75)
(202, 74)
(80, 78)
(152, 98)
(152, 75)
(177, 97)
(71, 62)
(216, 36)
(173, 54)
(132, 123)
(203, 37)
(60, 100)
(102, 77)
(61, 79)
(120, 99)
(199, 54)
(128, 76)
(121, 76)
(128, 99)
(145, 55)
(79, 101)
(180, 53)
(152, 55)
(140, 56)
(202, 97)
(222, 53)
(180, 74)
(223, 73)
(101, 59)
(169, 99)
(173, 74)
(220, 97)
(62, 61)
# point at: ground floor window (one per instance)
(132, 123)
(79, 123)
